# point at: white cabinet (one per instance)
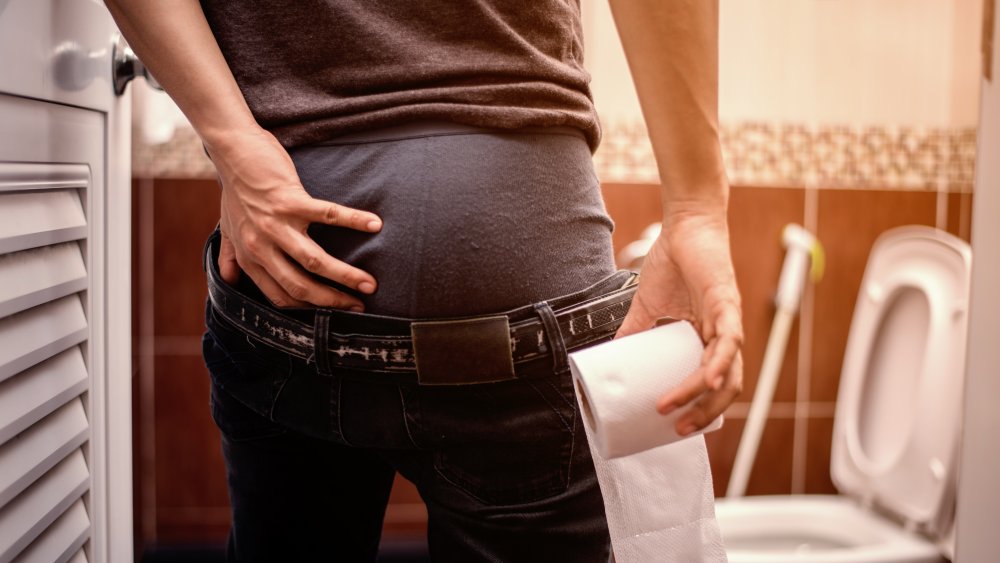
(65, 359)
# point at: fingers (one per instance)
(283, 283)
(689, 389)
(716, 365)
(271, 288)
(313, 258)
(720, 361)
(634, 322)
(229, 268)
(714, 385)
(329, 213)
(297, 285)
(713, 403)
(266, 212)
(724, 348)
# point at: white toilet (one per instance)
(897, 426)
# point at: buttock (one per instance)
(474, 220)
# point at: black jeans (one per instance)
(504, 468)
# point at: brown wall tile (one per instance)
(406, 514)
(175, 529)
(960, 215)
(849, 223)
(757, 217)
(772, 471)
(818, 443)
(633, 207)
(185, 212)
(190, 474)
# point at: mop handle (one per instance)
(803, 249)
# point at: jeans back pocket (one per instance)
(501, 443)
(247, 377)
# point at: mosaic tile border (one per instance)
(756, 154)
(795, 155)
(183, 156)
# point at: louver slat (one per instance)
(28, 456)
(62, 540)
(30, 396)
(28, 515)
(32, 277)
(32, 219)
(39, 333)
(80, 557)
(19, 176)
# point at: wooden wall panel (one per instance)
(185, 212)
(817, 477)
(849, 223)
(960, 215)
(757, 218)
(633, 207)
(772, 471)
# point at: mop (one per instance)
(802, 250)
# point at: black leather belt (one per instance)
(439, 351)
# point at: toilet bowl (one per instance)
(896, 426)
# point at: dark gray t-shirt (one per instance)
(314, 69)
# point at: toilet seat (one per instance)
(896, 427)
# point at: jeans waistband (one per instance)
(487, 348)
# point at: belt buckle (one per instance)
(462, 351)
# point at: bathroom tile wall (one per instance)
(846, 185)
(794, 453)
(180, 481)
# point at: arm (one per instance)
(265, 210)
(672, 50)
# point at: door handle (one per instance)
(126, 66)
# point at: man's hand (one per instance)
(688, 274)
(265, 214)
(265, 210)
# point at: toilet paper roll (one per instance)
(659, 501)
(660, 504)
(619, 382)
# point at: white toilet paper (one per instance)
(619, 383)
(660, 505)
(659, 502)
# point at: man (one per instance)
(308, 112)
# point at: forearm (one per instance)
(672, 50)
(175, 42)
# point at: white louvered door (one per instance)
(65, 440)
(43, 374)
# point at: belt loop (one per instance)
(560, 361)
(321, 342)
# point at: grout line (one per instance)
(941, 207)
(822, 410)
(147, 399)
(785, 409)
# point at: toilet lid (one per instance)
(897, 424)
